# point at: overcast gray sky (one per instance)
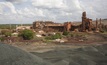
(28, 11)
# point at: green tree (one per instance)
(27, 34)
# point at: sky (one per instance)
(28, 11)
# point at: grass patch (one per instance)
(66, 33)
(53, 37)
(80, 34)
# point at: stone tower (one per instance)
(96, 23)
(83, 20)
(86, 23)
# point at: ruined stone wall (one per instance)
(67, 26)
(86, 23)
(48, 25)
(55, 28)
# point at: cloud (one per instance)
(16, 1)
(49, 3)
(55, 10)
(58, 8)
(30, 12)
(95, 8)
(6, 6)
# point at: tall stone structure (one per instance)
(97, 26)
(83, 20)
(100, 25)
(86, 22)
(100, 21)
(96, 23)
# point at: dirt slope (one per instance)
(13, 56)
(92, 55)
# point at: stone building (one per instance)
(48, 26)
(86, 25)
(67, 26)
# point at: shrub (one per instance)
(57, 36)
(72, 35)
(53, 37)
(27, 34)
(1, 39)
(65, 33)
(102, 30)
(6, 33)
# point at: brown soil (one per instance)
(73, 42)
(87, 52)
